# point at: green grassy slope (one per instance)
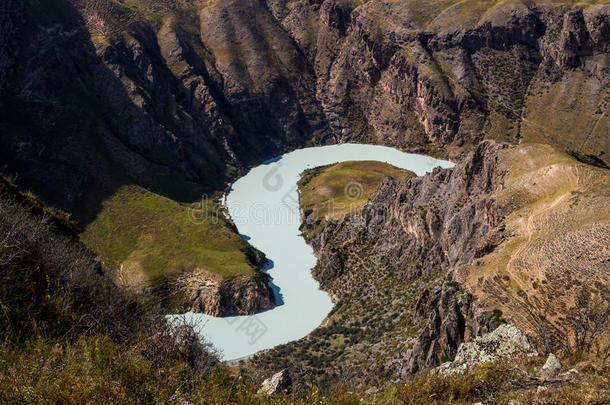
(336, 190)
(153, 239)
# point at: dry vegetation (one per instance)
(571, 113)
(553, 247)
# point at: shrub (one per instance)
(51, 284)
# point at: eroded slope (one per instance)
(433, 261)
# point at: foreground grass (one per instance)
(96, 370)
(155, 239)
(331, 192)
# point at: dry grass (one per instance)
(556, 237)
(572, 113)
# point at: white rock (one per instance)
(276, 383)
(551, 368)
(506, 341)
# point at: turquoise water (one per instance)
(264, 206)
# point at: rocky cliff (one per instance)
(422, 229)
(440, 76)
(240, 295)
(434, 261)
(389, 268)
(98, 94)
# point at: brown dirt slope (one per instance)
(555, 239)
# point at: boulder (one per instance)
(276, 383)
(551, 367)
(506, 341)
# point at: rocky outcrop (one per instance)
(389, 268)
(423, 223)
(108, 95)
(237, 296)
(504, 343)
(551, 367)
(452, 318)
(276, 383)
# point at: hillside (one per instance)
(331, 192)
(555, 234)
(69, 336)
(175, 99)
(431, 262)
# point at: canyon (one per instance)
(430, 262)
(175, 100)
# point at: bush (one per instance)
(51, 285)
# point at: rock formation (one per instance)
(411, 272)
(551, 367)
(504, 343)
(421, 229)
(278, 382)
(238, 296)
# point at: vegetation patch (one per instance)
(155, 239)
(331, 192)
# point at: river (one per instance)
(264, 206)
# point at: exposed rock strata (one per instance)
(418, 227)
(238, 296)
(388, 75)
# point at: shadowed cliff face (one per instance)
(98, 95)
